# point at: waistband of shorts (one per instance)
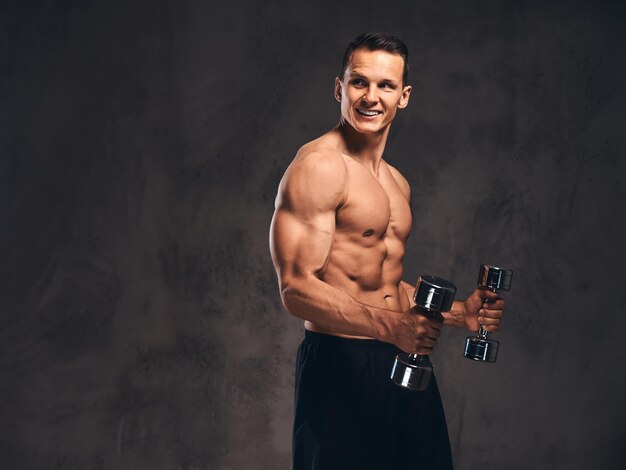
(330, 340)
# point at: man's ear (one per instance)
(338, 89)
(404, 100)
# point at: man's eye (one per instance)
(358, 82)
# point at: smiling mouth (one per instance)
(368, 113)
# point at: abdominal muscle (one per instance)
(374, 284)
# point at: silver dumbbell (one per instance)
(481, 347)
(433, 295)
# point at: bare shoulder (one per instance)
(400, 180)
(316, 175)
(317, 159)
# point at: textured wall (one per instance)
(141, 144)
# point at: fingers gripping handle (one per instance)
(482, 333)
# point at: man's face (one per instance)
(371, 91)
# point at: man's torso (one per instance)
(371, 228)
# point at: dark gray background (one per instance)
(141, 146)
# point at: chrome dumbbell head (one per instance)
(494, 278)
(433, 294)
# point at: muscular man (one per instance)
(337, 241)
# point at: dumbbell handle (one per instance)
(482, 333)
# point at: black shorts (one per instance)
(350, 415)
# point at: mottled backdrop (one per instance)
(141, 144)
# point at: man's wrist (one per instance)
(382, 326)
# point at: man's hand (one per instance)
(416, 333)
(483, 308)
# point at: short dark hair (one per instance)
(377, 42)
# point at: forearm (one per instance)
(456, 316)
(328, 307)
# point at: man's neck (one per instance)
(367, 149)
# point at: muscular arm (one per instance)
(301, 237)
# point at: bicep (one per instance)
(303, 226)
(300, 246)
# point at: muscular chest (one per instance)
(375, 207)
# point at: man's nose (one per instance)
(371, 96)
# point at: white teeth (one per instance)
(368, 113)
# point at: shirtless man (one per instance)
(337, 241)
